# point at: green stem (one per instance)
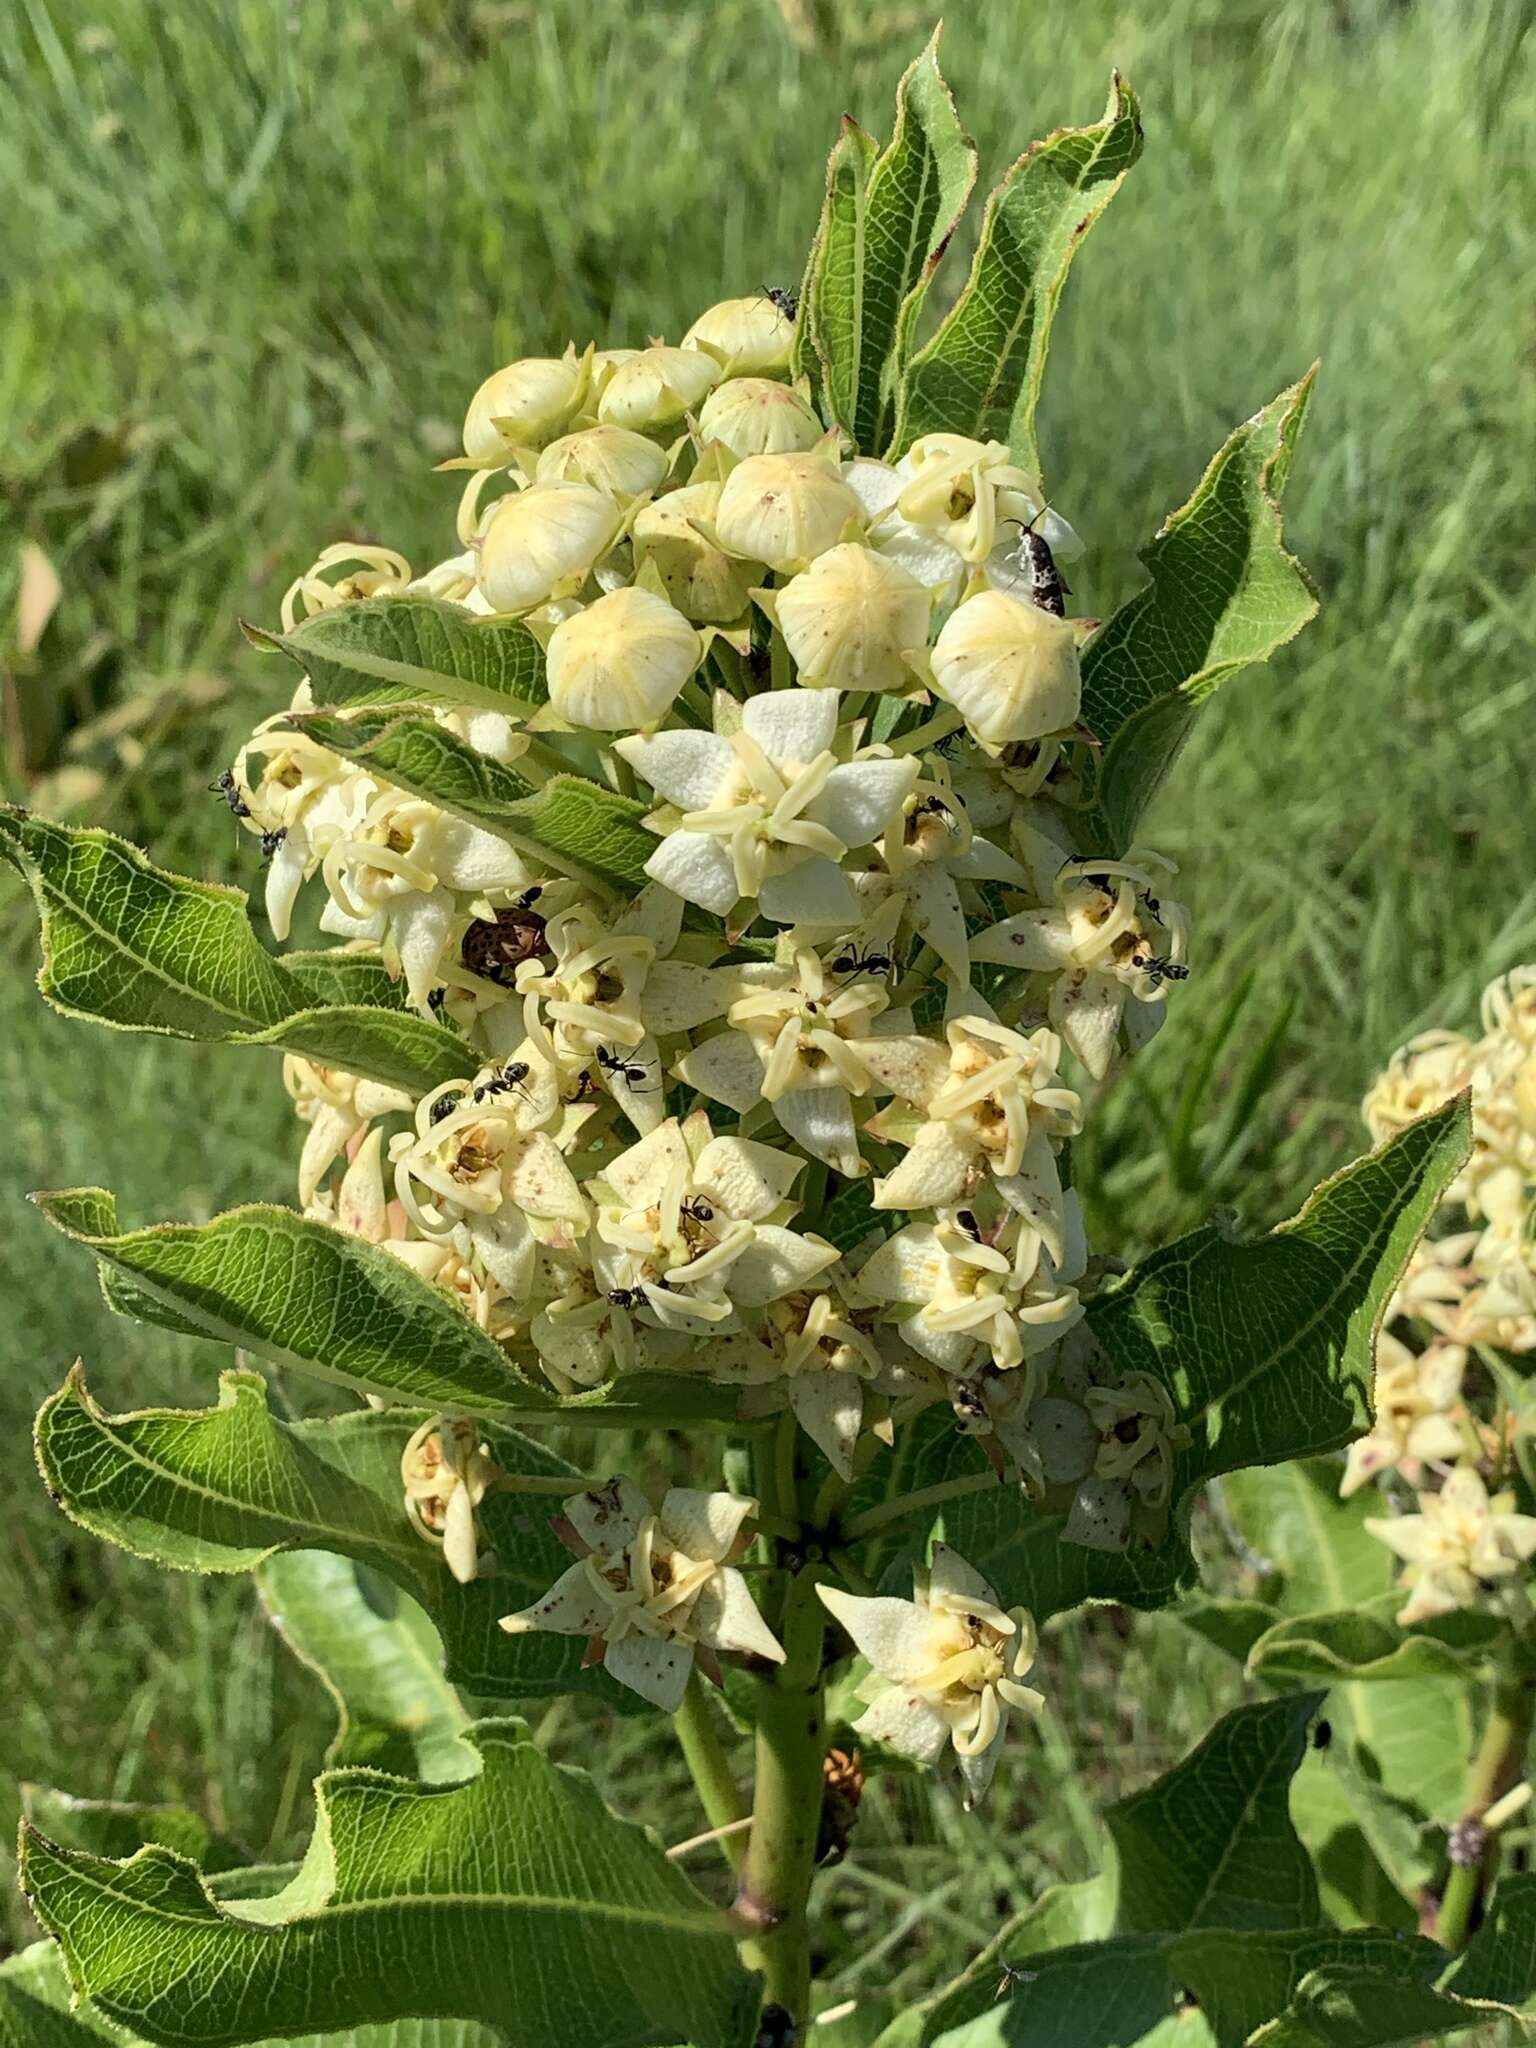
(786, 1811)
(909, 1503)
(1498, 1766)
(709, 1767)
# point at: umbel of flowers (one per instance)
(1467, 1301)
(869, 971)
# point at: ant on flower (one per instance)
(632, 1072)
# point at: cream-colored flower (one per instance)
(446, 1471)
(1458, 1546)
(920, 550)
(690, 1227)
(543, 543)
(816, 1355)
(1420, 1076)
(603, 991)
(747, 337)
(337, 1106)
(654, 1586)
(755, 416)
(979, 1293)
(302, 796)
(1108, 939)
(671, 540)
(947, 1667)
(1128, 1490)
(853, 620)
(371, 572)
(930, 855)
(619, 664)
(962, 490)
(609, 459)
(481, 1172)
(395, 874)
(796, 1025)
(988, 1102)
(785, 510)
(523, 406)
(657, 388)
(1009, 668)
(768, 812)
(1416, 1401)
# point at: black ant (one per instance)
(271, 841)
(948, 743)
(444, 1106)
(626, 1297)
(967, 1222)
(583, 1087)
(632, 1072)
(788, 302)
(698, 1209)
(853, 963)
(436, 999)
(229, 789)
(1160, 970)
(529, 897)
(1047, 587)
(512, 1076)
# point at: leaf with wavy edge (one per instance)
(1365, 1645)
(378, 1655)
(116, 1827)
(1224, 592)
(827, 329)
(226, 1489)
(516, 1900)
(397, 650)
(981, 373)
(131, 945)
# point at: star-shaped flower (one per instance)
(654, 1587)
(337, 1106)
(930, 854)
(1108, 939)
(1416, 1401)
(989, 1101)
(767, 813)
(446, 1471)
(1460, 1542)
(947, 1666)
(689, 1227)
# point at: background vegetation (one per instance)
(258, 258)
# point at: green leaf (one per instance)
(378, 1655)
(1365, 1645)
(1211, 1843)
(422, 757)
(1315, 1548)
(305, 1295)
(982, 371)
(116, 1827)
(127, 944)
(347, 980)
(398, 650)
(36, 2012)
(830, 322)
(1224, 592)
(227, 1489)
(516, 1900)
(1500, 1960)
(917, 193)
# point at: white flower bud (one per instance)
(746, 337)
(523, 406)
(851, 619)
(656, 387)
(704, 583)
(542, 543)
(1009, 668)
(784, 509)
(755, 416)
(610, 459)
(618, 665)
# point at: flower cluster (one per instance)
(1468, 1292)
(793, 1112)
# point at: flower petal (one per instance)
(860, 797)
(467, 857)
(656, 1670)
(936, 1171)
(829, 1407)
(910, 1066)
(816, 892)
(1085, 1008)
(679, 996)
(638, 1175)
(725, 1617)
(820, 1120)
(774, 1264)
(907, 1267)
(697, 868)
(685, 768)
(907, 1723)
(976, 1772)
(934, 912)
(705, 1524)
(1035, 940)
(571, 1607)
(657, 915)
(420, 924)
(725, 1068)
(792, 725)
(747, 1179)
(895, 1635)
(608, 1517)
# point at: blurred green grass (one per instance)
(266, 252)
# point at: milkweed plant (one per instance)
(730, 861)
